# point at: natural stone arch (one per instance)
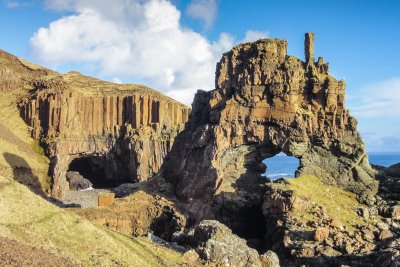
(265, 102)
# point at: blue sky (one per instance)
(173, 46)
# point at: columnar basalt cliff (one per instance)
(121, 133)
(265, 102)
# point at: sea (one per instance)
(285, 166)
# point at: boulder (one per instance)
(217, 242)
(321, 233)
(78, 182)
(214, 241)
(269, 259)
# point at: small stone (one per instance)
(382, 226)
(349, 249)
(191, 255)
(307, 252)
(321, 233)
(368, 234)
(370, 246)
(339, 236)
(385, 234)
(359, 238)
(363, 212)
(337, 224)
(395, 212)
(330, 252)
(269, 259)
(329, 242)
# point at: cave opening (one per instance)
(99, 171)
(248, 167)
(281, 166)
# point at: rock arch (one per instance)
(265, 102)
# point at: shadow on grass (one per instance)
(23, 174)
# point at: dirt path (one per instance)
(16, 254)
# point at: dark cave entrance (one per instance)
(99, 171)
(281, 166)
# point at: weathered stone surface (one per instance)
(321, 233)
(277, 202)
(265, 102)
(77, 181)
(269, 259)
(309, 47)
(129, 128)
(216, 242)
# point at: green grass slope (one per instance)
(29, 219)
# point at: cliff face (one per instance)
(120, 133)
(265, 102)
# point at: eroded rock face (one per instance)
(265, 102)
(125, 129)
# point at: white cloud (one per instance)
(378, 100)
(205, 10)
(254, 35)
(116, 80)
(133, 40)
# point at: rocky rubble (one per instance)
(307, 232)
(215, 242)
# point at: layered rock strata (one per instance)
(265, 102)
(121, 132)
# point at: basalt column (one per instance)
(129, 128)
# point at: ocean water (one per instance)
(281, 166)
(285, 166)
(384, 159)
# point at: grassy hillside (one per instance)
(20, 156)
(28, 219)
(339, 204)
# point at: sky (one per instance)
(173, 46)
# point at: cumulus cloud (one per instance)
(205, 10)
(133, 40)
(378, 100)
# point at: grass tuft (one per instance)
(339, 204)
